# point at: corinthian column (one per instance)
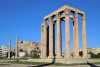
(43, 39)
(67, 34)
(84, 37)
(51, 38)
(59, 48)
(76, 35)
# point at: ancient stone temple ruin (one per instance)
(65, 13)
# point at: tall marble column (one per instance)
(51, 38)
(67, 34)
(84, 37)
(76, 53)
(43, 40)
(59, 47)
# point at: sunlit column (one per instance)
(67, 33)
(59, 47)
(76, 35)
(51, 38)
(84, 37)
(43, 40)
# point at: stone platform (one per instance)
(63, 61)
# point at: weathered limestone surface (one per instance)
(63, 61)
(84, 37)
(65, 13)
(44, 40)
(59, 47)
(51, 38)
(76, 35)
(67, 34)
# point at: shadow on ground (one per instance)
(92, 65)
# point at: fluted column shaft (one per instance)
(76, 35)
(67, 34)
(44, 40)
(51, 38)
(84, 36)
(59, 47)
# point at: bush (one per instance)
(94, 55)
(98, 55)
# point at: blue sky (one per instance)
(23, 18)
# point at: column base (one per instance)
(85, 56)
(67, 54)
(67, 57)
(59, 57)
(50, 57)
(76, 53)
(43, 57)
(84, 53)
(76, 57)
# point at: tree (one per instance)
(35, 53)
(98, 55)
(92, 55)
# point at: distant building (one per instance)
(25, 48)
(3, 51)
(0, 52)
(94, 50)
